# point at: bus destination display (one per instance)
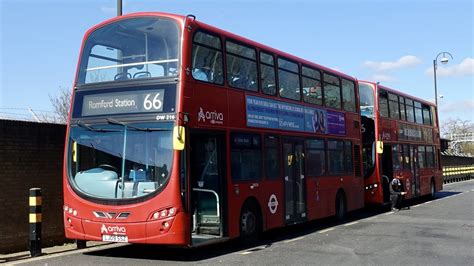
(123, 102)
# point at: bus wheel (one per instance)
(249, 223)
(81, 244)
(432, 189)
(341, 207)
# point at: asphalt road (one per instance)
(431, 232)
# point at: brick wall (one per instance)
(31, 155)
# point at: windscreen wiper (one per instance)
(79, 123)
(147, 129)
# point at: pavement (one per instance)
(67, 247)
(434, 232)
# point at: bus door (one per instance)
(415, 171)
(293, 158)
(387, 171)
(207, 184)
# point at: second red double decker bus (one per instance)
(400, 136)
(181, 133)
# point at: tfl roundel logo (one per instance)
(273, 204)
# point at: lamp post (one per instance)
(444, 61)
(119, 8)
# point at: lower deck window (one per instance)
(246, 156)
(315, 157)
(340, 157)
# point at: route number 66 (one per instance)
(155, 103)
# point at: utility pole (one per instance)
(119, 8)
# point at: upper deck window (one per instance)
(383, 103)
(288, 79)
(134, 48)
(312, 91)
(241, 66)
(426, 115)
(267, 73)
(418, 113)
(393, 106)
(402, 108)
(348, 95)
(332, 91)
(207, 58)
(409, 110)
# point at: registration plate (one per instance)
(115, 238)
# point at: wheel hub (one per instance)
(248, 222)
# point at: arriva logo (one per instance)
(213, 117)
(201, 115)
(116, 230)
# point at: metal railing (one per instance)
(457, 173)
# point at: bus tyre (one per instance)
(249, 223)
(341, 207)
(81, 244)
(432, 189)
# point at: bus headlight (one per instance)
(164, 213)
(371, 186)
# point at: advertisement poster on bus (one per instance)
(267, 113)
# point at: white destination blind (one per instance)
(123, 102)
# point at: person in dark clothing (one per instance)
(396, 194)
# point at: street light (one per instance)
(443, 61)
(119, 8)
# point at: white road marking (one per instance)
(326, 230)
(349, 224)
(294, 239)
(246, 252)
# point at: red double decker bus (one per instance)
(400, 136)
(181, 133)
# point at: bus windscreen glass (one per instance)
(115, 161)
(136, 48)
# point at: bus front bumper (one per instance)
(168, 231)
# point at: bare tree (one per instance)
(459, 128)
(61, 103)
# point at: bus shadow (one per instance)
(267, 239)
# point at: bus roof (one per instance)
(398, 92)
(181, 18)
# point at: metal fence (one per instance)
(457, 168)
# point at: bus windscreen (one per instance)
(135, 48)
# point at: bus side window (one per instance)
(312, 91)
(207, 58)
(315, 157)
(332, 91)
(336, 157)
(421, 157)
(288, 79)
(383, 103)
(409, 110)
(241, 66)
(267, 73)
(348, 95)
(246, 156)
(272, 157)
